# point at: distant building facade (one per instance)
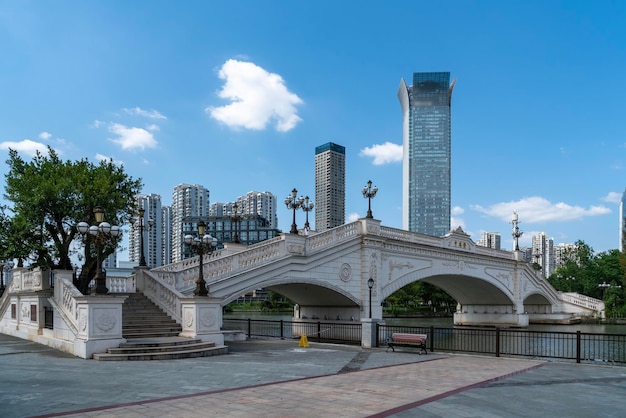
(426, 138)
(490, 240)
(622, 223)
(152, 232)
(543, 253)
(188, 200)
(330, 186)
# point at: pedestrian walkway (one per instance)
(268, 378)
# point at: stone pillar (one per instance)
(368, 332)
(202, 318)
(99, 324)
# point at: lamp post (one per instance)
(369, 193)
(603, 286)
(142, 227)
(202, 244)
(307, 207)
(102, 233)
(4, 266)
(293, 202)
(370, 284)
(235, 219)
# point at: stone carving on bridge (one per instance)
(459, 240)
(345, 272)
(461, 265)
(295, 249)
(189, 319)
(501, 276)
(208, 319)
(105, 322)
(374, 266)
(25, 311)
(399, 265)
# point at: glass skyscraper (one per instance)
(426, 137)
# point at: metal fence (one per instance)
(329, 332)
(578, 346)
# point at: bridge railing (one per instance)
(582, 300)
(162, 294)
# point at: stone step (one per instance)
(148, 334)
(152, 328)
(171, 352)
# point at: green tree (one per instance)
(50, 196)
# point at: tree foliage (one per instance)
(601, 276)
(50, 196)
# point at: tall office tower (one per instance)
(490, 240)
(166, 234)
(187, 200)
(622, 223)
(330, 186)
(543, 253)
(426, 137)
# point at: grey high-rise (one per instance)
(330, 186)
(426, 137)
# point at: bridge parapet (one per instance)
(583, 301)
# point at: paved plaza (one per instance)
(273, 378)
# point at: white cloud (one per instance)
(152, 114)
(538, 209)
(45, 136)
(153, 127)
(352, 217)
(456, 222)
(130, 138)
(383, 153)
(26, 146)
(613, 197)
(97, 123)
(258, 97)
(101, 157)
(457, 210)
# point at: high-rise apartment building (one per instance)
(426, 137)
(490, 240)
(152, 232)
(563, 253)
(187, 200)
(622, 223)
(166, 234)
(330, 186)
(543, 253)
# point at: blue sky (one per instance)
(236, 96)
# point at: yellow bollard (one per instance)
(304, 342)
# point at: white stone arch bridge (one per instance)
(326, 275)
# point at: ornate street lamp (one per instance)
(235, 219)
(370, 284)
(141, 225)
(369, 193)
(294, 203)
(101, 234)
(307, 207)
(4, 266)
(202, 244)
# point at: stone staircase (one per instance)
(152, 335)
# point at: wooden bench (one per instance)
(399, 339)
